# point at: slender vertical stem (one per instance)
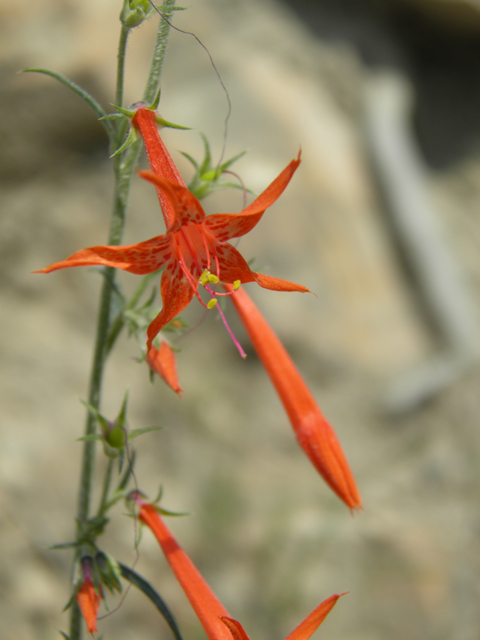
(156, 67)
(123, 168)
(122, 49)
(123, 172)
(106, 487)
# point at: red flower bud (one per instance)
(162, 362)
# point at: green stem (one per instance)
(156, 67)
(123, 172)
(106, 488)
(123, 169)
(122, 49)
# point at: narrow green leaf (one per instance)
(91, 437)
(146, 588)
(90, 100)
(64, 545)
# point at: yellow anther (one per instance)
(236, 285)
(204, 278)
(212, 278)
(212, 303)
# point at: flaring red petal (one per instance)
(225, 226)
(142, 258)
(311, 623)
(176, 295)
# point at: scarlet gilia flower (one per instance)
(215, 619)
(195, 249)
(87, 597)
(313, 432)
(162, 362)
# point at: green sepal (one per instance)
(121, 420)
(170, 125)
(126, 112)
(228, 163)
(104, 423)
(190, 159)
(109, 571)
(131, 138)
(159, 494)
(176, 514)
(208, 178)
(91, 437)
(163, 511)
(138, 432)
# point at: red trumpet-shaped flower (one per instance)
(212, 614)
(87, 597)
(314, 433)
(162, 362)
(195, 248)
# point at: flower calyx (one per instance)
(134, 12)
(208, 178)
(114, 433)
(130, 114)
(109, 571)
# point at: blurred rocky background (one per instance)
(382, 222)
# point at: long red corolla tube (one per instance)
(212, 614)
(313, 432)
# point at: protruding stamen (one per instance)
(208, 277)
(230, 333)
(212, 303)
(203, 280)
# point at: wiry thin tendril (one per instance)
(217, 73)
